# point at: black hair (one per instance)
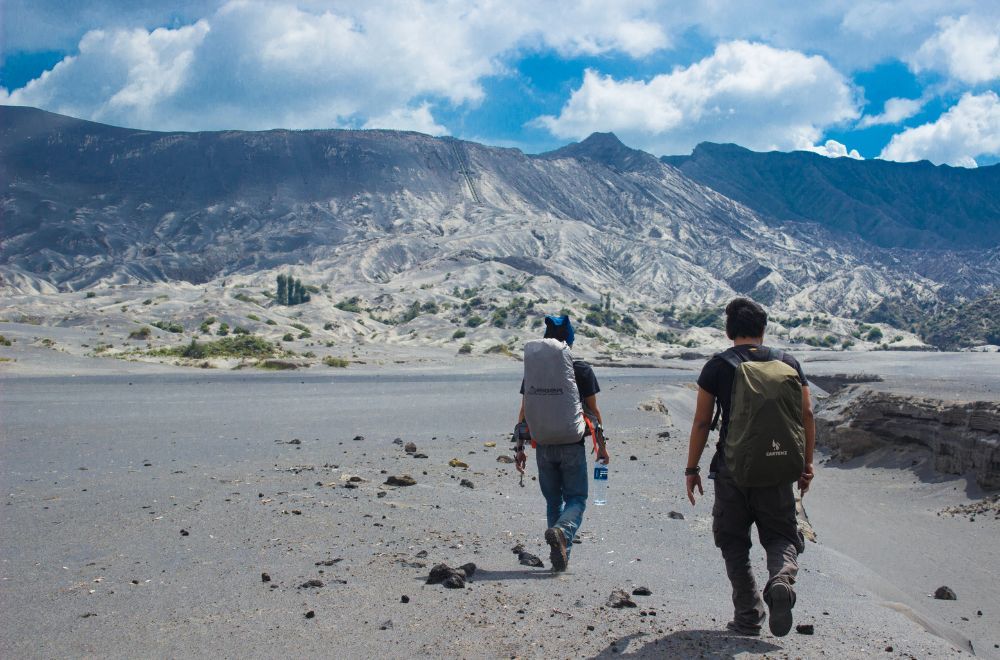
(745, 318)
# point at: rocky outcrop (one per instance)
(962, 436)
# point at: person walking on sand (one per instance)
(765, 445)
(558, 410)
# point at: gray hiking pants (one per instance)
(772, 509)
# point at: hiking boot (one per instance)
(780, 600)
(556, 539)
(741, 629)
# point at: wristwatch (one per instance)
(692, 471)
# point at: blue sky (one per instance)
(892, 79)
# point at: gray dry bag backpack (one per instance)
(765, 443)
(552, 405)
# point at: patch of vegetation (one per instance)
(253, 317)
(337, 362)
(4, 341)
(501, 349)
(708, 317)
(270, 322)
(458, 334)
(514, 285)
(465, 349)
(603, 316)
(169, 326)
(350, 305)
(667, 337)
(300, 326)
(874, 335)
(466, 293)
(142, 334)
(828, 341)
(276, 365)
(292, 292)
(240, 330)
(147, 301)
(242, 346)
(513, 315)
(287, 337)
(474, 322)
(223, 329)
(243, 297)
(91, 294)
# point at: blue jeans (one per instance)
(562, 475)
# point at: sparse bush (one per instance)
(91, 294)
(287, 337)
(332, 361)
(874, 335)
(143, 333)
(253, 317)
(350, 305)
(474, 322)
(299, 326)
(305, 335)
(667, 337)
(270, 322)
(458, 334)
(240, 330)
(465, 349)
(147, 301)
(243, 346)
(223, 329)
(242, 297)
(4, 341)
(170, 326)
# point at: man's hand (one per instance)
(602, 455)
(694, 480)
(520, 459)
(806, 478)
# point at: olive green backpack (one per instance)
(765, 443)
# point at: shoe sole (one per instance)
(557, 554)
(779, 619)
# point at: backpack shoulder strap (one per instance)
(776, 354)
(730, 357)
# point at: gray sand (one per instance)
(102, 472)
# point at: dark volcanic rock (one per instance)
(265, 577)
(310, 614)
(454, 581)
(402, 480)
(642, 591)
(410, 448)
(805, 629)
(675, 515)
(404, 599)
(945, 593)
(529, 559)
(359, 438)
(619, 598)
(467, 483)
(469, 569)
(311, 584)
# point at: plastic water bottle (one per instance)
(600, 483)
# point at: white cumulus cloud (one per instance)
(832, 149)
(967, 49)
(253, 64)
(969, 129)
(894, 111)
(758, 96)
(417, 119)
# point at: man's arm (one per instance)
(809, 425)
(590, 405)
(699, 438)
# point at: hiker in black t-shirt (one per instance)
(736, 509)
(562, 468)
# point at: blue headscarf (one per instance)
(559, 327)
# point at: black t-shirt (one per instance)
(586, 381)
(717, 379)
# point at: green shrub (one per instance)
(305, 334)
(223, 329)
(350, 305)
(270, 322)
(874, 335)
(240, 330)
(91, 294)
(331, 361)
(242, 346)
(287, 337)
(147, 301)
(4, 341)
(667, 337)
(474, 322)
(465, 349)
(143, 333)
(242, 297)
(253, 317)
(170, 326)
(458, 334)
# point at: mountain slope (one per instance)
(892, 205)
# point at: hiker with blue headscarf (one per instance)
(558, 411)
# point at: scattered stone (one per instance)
(410, 448)
(404, 599)
(329, 562)
(457, 463)
(439, 573)
(633, 458)
(265, 577)
(359, 438)
(184, 532)
(295, 441)
(297, 512)
(454, 581)
(888, 649)
(87, 615)
(310, 584)
(675, 515)
(397, 441)
(518, 549)
(504, 458)
(467, 483)
(310, 614)
(528, 559)
(945, 593)
(619, 598)
(489, 444)
(419, 455)
(402, 480)
(663, 434)
(386, 625)
(590, 627)
(805, 629)
(642, 591)
(380, 494)
(469, 569)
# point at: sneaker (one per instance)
(780, 600)
(556, 539)
(746, 631)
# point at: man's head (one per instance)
(745, 318)
(559, 327)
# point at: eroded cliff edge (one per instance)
(962, 436)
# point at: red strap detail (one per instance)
(593, 433)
